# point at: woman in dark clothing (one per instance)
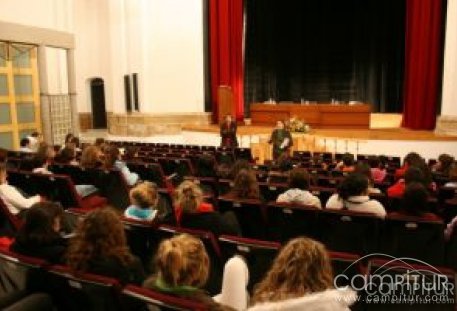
(281, 140)
(39, 236)
(228, 132)
(100, 247)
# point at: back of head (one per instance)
(412, 159)
(364, 169)
(90, 157)
(353, 185)
(68, 137)
(99, 141)
(182, 261)
(111, 156)
(238, 166)
(414, 174)
(98, 236)
(189, 196)
(302, 267)
(446, 161)
(348, 159)
(38, 227)
(66, 155)
(144, 195)
(299, 179)
(415, 199)
(246, 185)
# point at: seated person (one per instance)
(347, 163)
(411, 159)
(43, 158)
(99, 246)
(191, 212)
(39, 236)
(300, 278)
(25, 145)
(378, 168)
(452, 178)
(113, 161)
(415, 203)
(144, 199)
(34, 139)
(245, 186)
(444, 164)
(12, 197)
(67, 155)
(298, 190)
(413, 174)
(364, 169)
(182, 266)
(91, 158)
(352, 195)
(239, 165)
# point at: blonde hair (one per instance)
(188, 196)
(182, 260)
(90, 157)
(144, 195)
(302, 267)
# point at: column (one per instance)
(44, 95)
(72, 90)
(447, 121)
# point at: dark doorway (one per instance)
(97, 96)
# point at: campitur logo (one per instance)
(391, 280)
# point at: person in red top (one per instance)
(411, 159)
(419, 174)
(415, 203)
(189, 197)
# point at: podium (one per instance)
(225, 101)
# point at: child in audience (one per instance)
(12, 198)
(100, 246)
(444, 164)
(378, 168)
(245, 186)
(43, 158)
(365, 170)
(25, 145)
(39, 235)
(113, 161)
(144, 198)
(192, 212)
(182, 266)
(298, 190)
(415, 203)
(301, 278)
(352, 194)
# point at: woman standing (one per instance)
(228, 132)
(281, 140)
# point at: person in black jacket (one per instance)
(228, 132)
(281, 140)
(39, 236)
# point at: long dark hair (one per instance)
(354, 184)
(415, 199)
(38, 226)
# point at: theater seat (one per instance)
(142, 296)
(9, 223)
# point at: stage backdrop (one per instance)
(319, 50)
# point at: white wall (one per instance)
(57, 74)
(449, 98)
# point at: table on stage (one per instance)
(322, 115)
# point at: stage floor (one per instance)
(356, 134)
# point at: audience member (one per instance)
(113, 161)
(378, 168)
(298, 189)
(301, 278)
(99, 142)
(92, 157)
(415, 203)
(411, 159)
(67, 155)
(12, 197)
(192, 212)
(413, 174)
(182, 266)
(347, 163)
(34, 139)
(444, 164)
(239, 165)
(25, 145)
(144, 199)
(452, 178)
(245, 186)
(364, 169)
(39, 235)
(352, 194)
(68, 138)
(99, 246)
(131, 154)
(43, 158)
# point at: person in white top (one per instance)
(25, 145)
(34, 140)
(301, 278)
(352, 195)
(298, 192)
(11, 197)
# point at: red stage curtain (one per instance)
(226, 51)
(423, 55)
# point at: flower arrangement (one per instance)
(298, 126)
